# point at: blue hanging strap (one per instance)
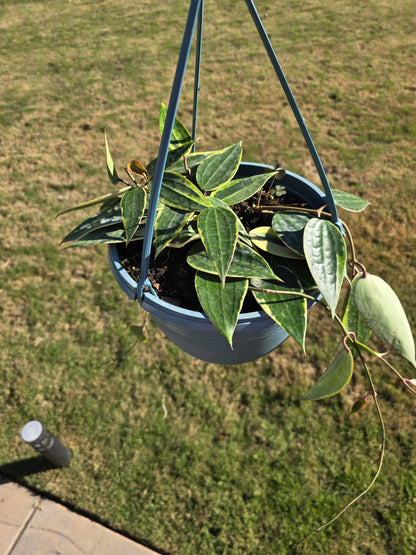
(144, 282)
(296, 111)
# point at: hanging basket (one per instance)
(256, 333)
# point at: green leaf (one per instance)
(179, 192)
(180, 135)
(105, 218)
(349, 202)
(266, 239)
(383, 313)
(174, 158)
(93, 202)
(334, 379)
(169, 222)
(299, 267)
(238, 190)
(353, 321)
(326, 255)
(219, 232)
(219, 168)
(187, 234)
(242, 233)
(192, 161)
(222, 304)
(112, 172)
(132, 205)
(114, 234)
(289, 227)
(287, 309)
(246, 262)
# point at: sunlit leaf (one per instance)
(112, 172)
(239, 190)
(383, 312)
(180, 193)
(135, 167)
(326, 254)
(174, 159)
(219, 168)
(246, 262)
(218, 230)
(221, 304)
(349, 202)
(180, 135)
(353, 321)
(106, 217)
(267, 240)
(132, 205)
(334, 379)
(287, 309)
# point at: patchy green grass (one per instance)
(186, 456)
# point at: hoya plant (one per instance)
(245, 238)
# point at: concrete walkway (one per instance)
(33, 525)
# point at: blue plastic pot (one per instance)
(256, 333)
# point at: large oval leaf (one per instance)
(383, 312)
(218, 230)
(239, 190)
(132, 205)
(335, 378)
(289, 227)
(287, 309)
(219, 168)
(349, 202)
(246, 263)
(222, 304)
(266, 239)
(179, 192)
(353, 322)
(326, 254)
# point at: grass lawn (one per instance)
(186, 456)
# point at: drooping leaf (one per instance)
(246, 262)
(325, 252)
(219, 168)
(383, 312)
(267, 240)
(112, 172)
(218, 230)
(93, 202)
(106, 217)
(353, 322)
(287, 309)
(178, 192)
(358, 405)
(239, 190)
(349, 202)
(221, 304)
(289, 227)
(335, 378)
(113, 234)
(169, 222)
(134, 167)
(180, 135)
(132, 205)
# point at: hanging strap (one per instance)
(195, 10)
(296, 111)
(144, 282)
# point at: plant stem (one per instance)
(380, 460)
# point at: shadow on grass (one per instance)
(24, 467)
